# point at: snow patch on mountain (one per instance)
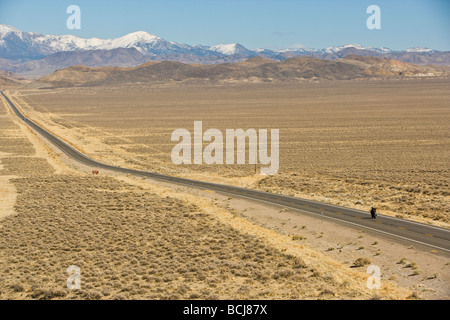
(419, 49)
(226, 49)
(355, 46)
(230, 49)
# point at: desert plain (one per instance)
(357, 144)
(382, 143)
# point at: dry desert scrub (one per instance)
(132, 244)
(355, 144)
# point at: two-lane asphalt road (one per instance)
(429, 237)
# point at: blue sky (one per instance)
(273, 24)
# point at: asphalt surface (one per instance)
(427, 237)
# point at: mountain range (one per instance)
(34, 55)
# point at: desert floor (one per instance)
(135, 238)
(356, 144)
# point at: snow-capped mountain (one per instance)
(20, 50)
(356, 46)
(230, 49)
(419, 49)
(336, 50)
(18, 44)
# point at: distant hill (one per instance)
(253, 70)
(9, 79)
(375, 66)
(8, 82)
(10, 75)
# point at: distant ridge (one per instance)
(8, 79)
(254, 70)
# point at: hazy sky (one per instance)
(273, 24)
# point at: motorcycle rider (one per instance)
(373, 212)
